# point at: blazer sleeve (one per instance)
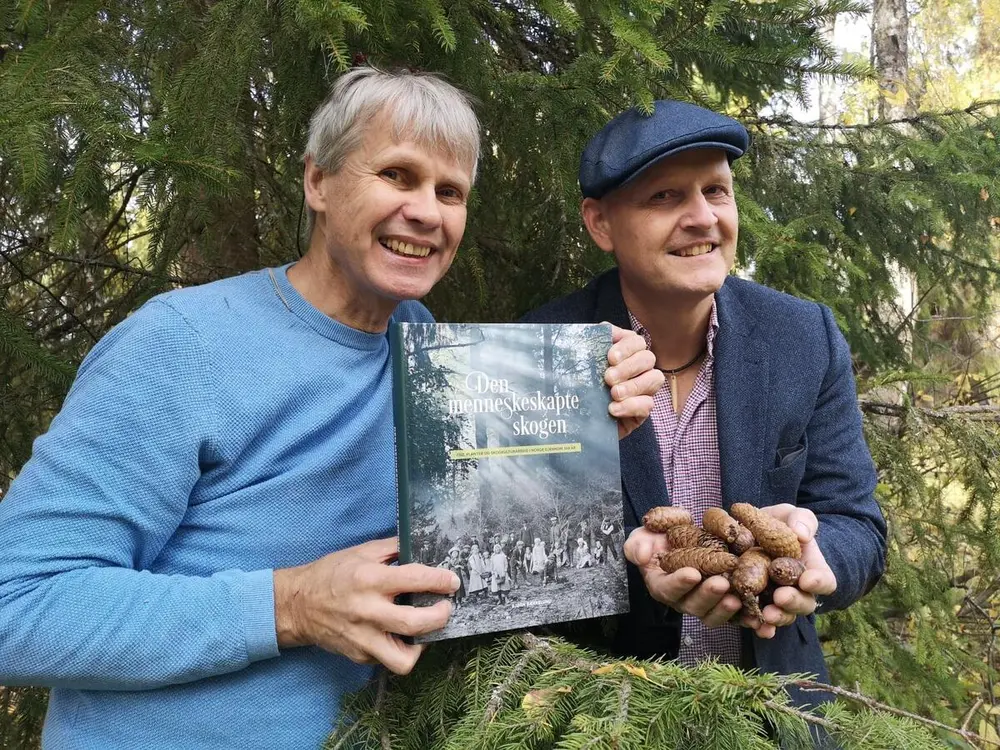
(839, 481)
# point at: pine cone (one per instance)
(750, 575)
(750, 578)
(664, 517)
(785, 571)
(705, 561)
(716, 521)
(680, 537)
(744, 541)
(775, 537)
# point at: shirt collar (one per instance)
(713, 329)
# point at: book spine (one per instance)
(397, 353)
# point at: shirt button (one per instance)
(688, 640)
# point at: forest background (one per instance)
(146, 146)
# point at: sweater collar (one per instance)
(286, 295)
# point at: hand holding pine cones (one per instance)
(748, 546)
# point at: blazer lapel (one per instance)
(741, 392)
(642, 476)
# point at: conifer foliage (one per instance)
(530, 692)
(150, 145)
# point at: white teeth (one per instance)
(405, 248)
(695, 250)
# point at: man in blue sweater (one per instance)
(196, 555)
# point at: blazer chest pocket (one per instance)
(785, 477)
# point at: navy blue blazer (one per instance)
(789, 432)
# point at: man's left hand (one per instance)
(633, 378)
(818, 579)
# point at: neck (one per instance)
(324, 285)
(677, 329)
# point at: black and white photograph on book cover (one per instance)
(509, 471)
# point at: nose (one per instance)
(699, 213)
(422, 207)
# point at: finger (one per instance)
(670, 588)
(817, 578)
(379, 550)
(398, 656)
(819, 581)
(642, 544)
(804, 523)
(793, 601)
(417, 578)
(777, 617)
(646, 382)
(722, 612)
(634, 408)
(624, 343)
(705, 597)
(633, 366)
(403, 619)
(763, 630)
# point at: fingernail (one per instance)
(455, 584)
(803, 530)
(614, 356)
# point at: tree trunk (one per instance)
(890, 29)
(829, 94)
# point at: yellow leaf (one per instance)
(606, 669)
(852, 210)
(636, 671)
(984, 194)
(537, 701)
(986, 730)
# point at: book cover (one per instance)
(508, 471)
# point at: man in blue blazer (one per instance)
(759, 404)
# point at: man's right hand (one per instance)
(344, 603)
(683, 590)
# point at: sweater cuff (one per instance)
(257, 595)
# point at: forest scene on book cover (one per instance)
(509, 473)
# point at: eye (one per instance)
(450, 193)
(662, 195)
(393, 175)
(717, 190)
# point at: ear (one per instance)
(595, 218)
(314, 187)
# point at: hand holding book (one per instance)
(345, 603)
(633, 378)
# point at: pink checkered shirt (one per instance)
(689, 455)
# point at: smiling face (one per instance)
(389, 221)
(673, 229)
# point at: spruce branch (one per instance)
(48, 291)
(920, 119)
(970, 737)
(131, 184)
(976, 413)
(501, 691)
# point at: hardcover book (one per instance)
(508, 471)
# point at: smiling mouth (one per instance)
(694, 250)
(406, 249)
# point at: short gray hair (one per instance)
(420, 106)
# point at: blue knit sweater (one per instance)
(217, 434)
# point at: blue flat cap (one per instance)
(633, 142)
